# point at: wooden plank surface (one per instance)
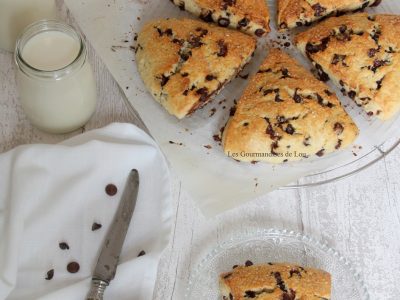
(359, 216)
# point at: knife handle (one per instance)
(97, 290)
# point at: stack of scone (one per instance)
(284, 109)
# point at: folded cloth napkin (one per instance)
(52, 194)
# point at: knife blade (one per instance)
(109, 256)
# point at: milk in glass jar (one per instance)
(15, 15)
(55, 81)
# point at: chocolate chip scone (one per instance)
(184, 62)
(295, 13)
(250, 16)
(286, 114)
(360, 53)
(278, 281)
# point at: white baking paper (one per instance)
(215, 181)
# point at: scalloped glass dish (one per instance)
(274, 245)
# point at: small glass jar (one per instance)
(15, 15)
(55, 82)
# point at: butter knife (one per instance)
(112, 246)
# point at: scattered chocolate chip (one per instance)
(203, 92)
(370, 113)
(206, 16)
(195, 41)
(338, 58)
(352, 94)
(185, 74)
(243, 23)
(328, 92)
(181, 5)
(318, 9)
(259, 32)
(210, 77)
(377, 64)
(379, 83)
(296, 97)
(285, 73)
(311, 48)
(63, 246)
(235, 266)
(248, 263)
(250, 294)
(290, 129)
(49, 274)
(321, 74)
(286, 44)
(294, 271)
(320, 153)
(223, 22)
(338, 128)
(372, 52)
(339, 144)
(73, 267)
(245, 76)
(223, 48)
(280, 283)
(217, 138)
(232, 111)
(96, 226)
(207, 146)
(141, 253)
(111, 189)
(164, 80)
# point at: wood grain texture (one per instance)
(359, 216)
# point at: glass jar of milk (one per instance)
(15, 15)
(55, 81)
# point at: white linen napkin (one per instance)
(54, 193)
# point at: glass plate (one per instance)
(272, 245)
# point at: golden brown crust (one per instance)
(361, 54)
(250, 16)
(275, 282)
(295, 13)
(184, 62)
(284, 110)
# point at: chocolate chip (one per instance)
(185, 74)
(49, 274)
(73, 267)
(178, 41)
(318, 9)
(370, 113)
(280, 283)
(306, 142)
(223, 48)
(223, 22)
(352, 94)
(376, 3)
(243, 23)
(227, 275)
(320, 153)
(311, 48)
(377, 64)
(338, 128)
(285, 73)
(164, 80)
(328, 92)
(372, 52)
(250, 294)
(235, 266)
(267, 92)
(248, 263)
(324, 77)
(294, 271)
(339, 144)
(286, 44)
(338, 58)
(63, 246)
(141, 253)
(96, 226)
(379, 83)
(296, 97)
(111, 189)
(210, 77)
(195, 41)
(290, 129)
(283, 25)
(203, 92)
(259, 32)
(232, 111)
(226, 3)
(181, 5)
(206, 16)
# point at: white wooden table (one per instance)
(359, 216)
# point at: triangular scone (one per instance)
(360, 53)
(286, 114)
(275, 281)
(184, 62)
(295, 13)
(250, 16)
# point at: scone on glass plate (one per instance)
(360, 53)
(295, 13)
(184, 62)
(250, 16)
(286, 114)
(275, 281)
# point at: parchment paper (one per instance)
(215, 182)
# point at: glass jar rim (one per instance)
(46, 26)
